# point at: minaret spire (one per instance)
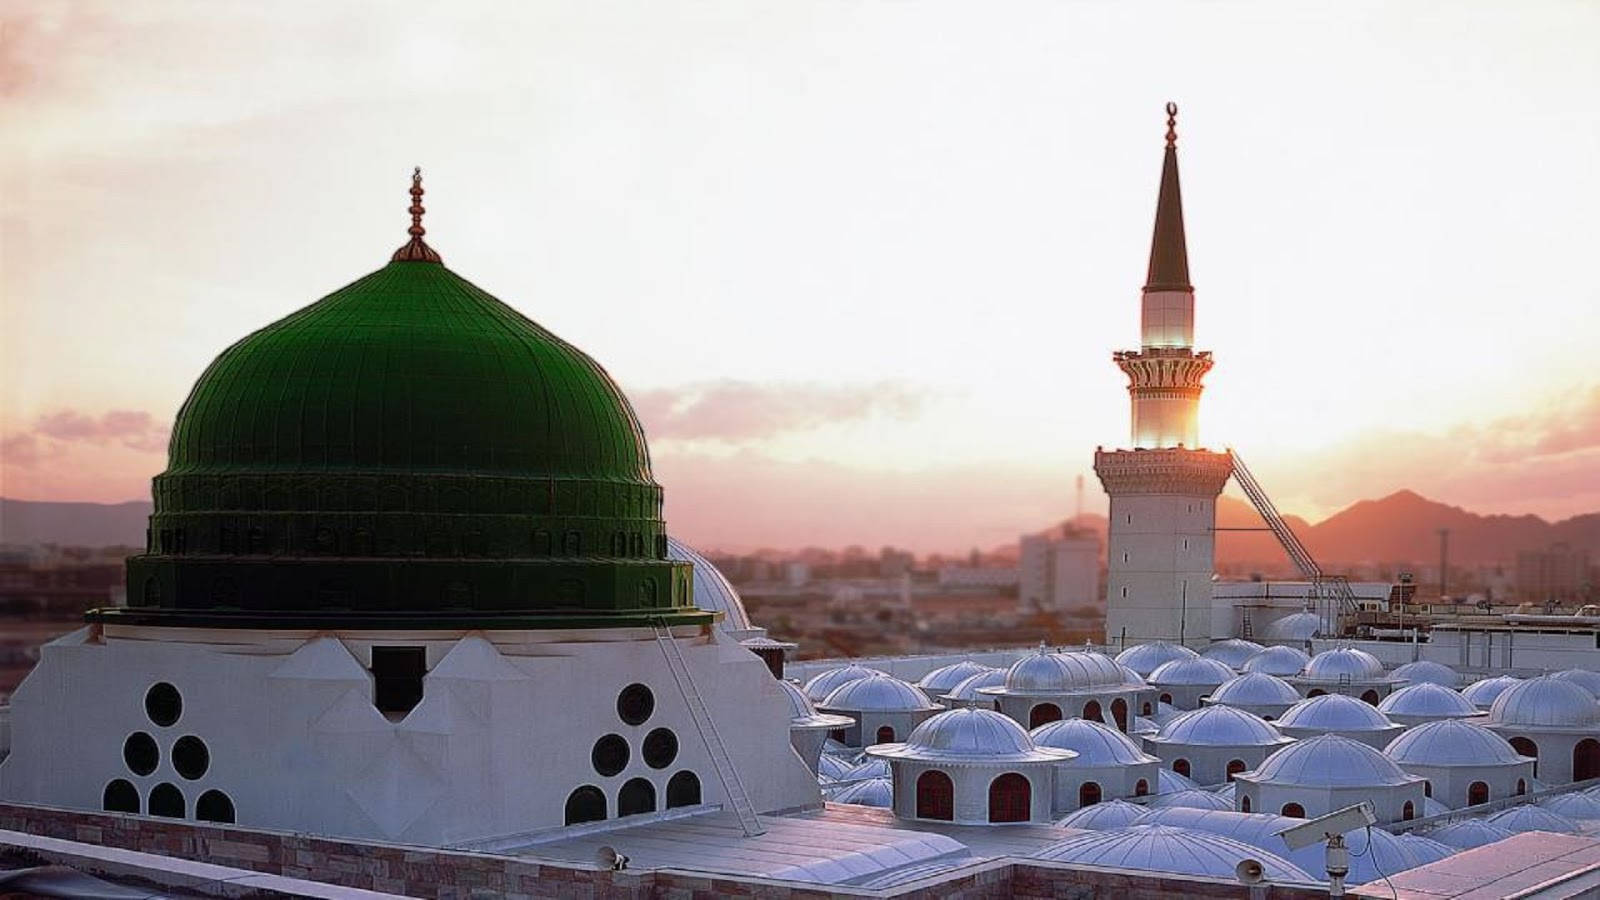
(1169, 255)
(416, 249)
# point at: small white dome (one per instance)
(1095, 744)
(1197, 671)
(1300, 626)
(1334, 712)
(1144, 658)
(1254, 689)
(1098, 669)
(1590, 680)
(799, 704)
(824, 683)
(832, 767)
(1192, 799)
(868, 768)
(968, 690)
(1432, 807)
(942, 679)
(1102, 816)
(1344, 662)
(1468, 833)
(1062, 673)
(1576, 805)
(1141, 725)
(1427, 699)
(1452, 742)
(971, 733)
(1132, 678)
(1546, 702)
(1426, 670)
(1228, 792)
(1427, 850)
(1482, 693)
(1279, 661)
(877, 792)
(1329, 760)
(1167, 848)
(1529, 817)
(1220, 726)
(1170, 782)
(877, 693)
(1232, 652)
(713, 591)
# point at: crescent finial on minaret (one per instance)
(416, 249)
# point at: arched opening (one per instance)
(1042, 713)
(1244, 804)
(1315, 692)
(1181, 766)
(586, 804)
(120, 796)
(1088, 794)
(885, 734)
(1146, 709)
(1477, 792)
(1370, 696)
(1527, 748)
(1293, 811)
(1586, 760)
(166, 800)
(683, 789)
(1091, 711)
(1522, 786)
(214, 806)
(1235, 766)
(1408, 812)
(1141, 788)
(1165, 698)
(936, 796)
(1427, 788)
(637, 796)
(1010, 798)
(1119, 712)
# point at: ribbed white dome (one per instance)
(1546, 702)
(1101, 816)
(1427, 700)
(1329, 760)
(1232, 652)
(1191, 799)
(1131, 678)
(1342, 662)
(1168, 782)
(1166, 848)
(1098, 669)
(1426, 670)
(832, 768)
(877, 792)
(1300, 626)
(1482, 693)
(1529, 817)
(1468, 833)
(971, 732)
(712, 590)
(1590, 680)
(968, 689)
(1197, 671)
(1062, 673)
(941, 680)
(1220, 726)
(1144, 658)
(824, 683)
(1095, 744)
(1452, 742)
(799, 704)
(868, 768)
(1427, 850)
(1576, 805)
(1279, 661)
(877, 693)
(1254, 689)
(1334, 712)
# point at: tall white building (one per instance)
(1058, 571)
(1164, 490)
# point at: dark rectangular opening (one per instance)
(397, 678)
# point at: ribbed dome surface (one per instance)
(1300, 626)
(941, 680)
(1427, 850)
(1131, 678)
(1232, 652)
(1102, 816)
(1576, 805)
(968, 689)
(1254, 689)
(1427, 700)
(1344, 662)
(1546, 702)
(1590, 680)
(712, 590)
(878, 792)
(867, 768)
(1452, 742)
(1191, 799)
(1197, 671)
(1529, 817)
(1279, 661)
(877, 693)
(823, 683)
(1144, 658)
(1482, 693)
(1329, 760)
(1168, 781)
(970, 732)
(1095, 744)
(832, 768)
(1166, 848)
(799, 704)
(1334, 712)
(1426, 670)
(1038, 673)
(1468, 833)
(1220, 726)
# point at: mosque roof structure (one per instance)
(867, 768)
(1588, 679)
(823, 683)
(1426, 670)
(1482, 693)
(1144, 658)
(969, 688)
(1426, 849)
(1167, 848)
(1452, 742)
(832, 768)
(1220, 726)
(1546, 702)
(1344, 663)
(802, 714)
(1427, 699)
(1102, 816)
(1328, 760)
(1468, 833)
(1577, 805)
(878, 792)
(1334, 712)
(1254, 689)
(1168, 781)
(941, 680)
(1194, 799)
(1280, 661)
(877, 693)
(1047, 673)
(1132, 678)
(1300, 626)
(1532, 817)
(1096, 744)
(970, 735)
(1197, 671)
(1232, 652)
(712, 590)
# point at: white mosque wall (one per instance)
(1159, 567)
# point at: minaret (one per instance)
(1163, 491)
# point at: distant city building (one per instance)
(1558, 574)
(1058, 572)
(978, 577)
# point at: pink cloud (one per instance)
(740, 411)
(133, 429)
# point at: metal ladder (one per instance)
(726, 773)
(1335, 589)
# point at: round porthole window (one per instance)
(635, 704)
(660, 748)
(139, 751)
(190, 757)
(163, 704)
(610, 755)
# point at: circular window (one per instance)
(635, 704)
(660, 748)
(190, 757)
(610, 755)
(163, 704)
(139, 751)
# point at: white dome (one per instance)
(1300, 626)
(942, 679)
(1132, 678)
(1468, 833)
(1228, 792)
(969, 734)
(1529, 817)
(1427, 850)
(824, 683)
(1168, 782)
(1576, 805)
(1061, 673)
(799, 704)
(1192, 799)
(1482, 693)
(1427, 700)
(832, 768)
(1220, 726)
(1095, 744)
(1279, 661)
(1167, 848)
(713, 591)
(868, 768)
(1334, 712)
(1099, 670)
(1452, 742)
(1144, 658)
(1344, 662)
(1590, 680)
(1197, 671)
(1546, 702)
(1141, 725)
(968, 689)
(1232, 652)
(1329, 760)
(1432, 807)
(1375, 852)
(1102, 816)
(1254, 689)
(1426, 670)
(877, 792)
(877, 693)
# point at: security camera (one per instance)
(1318, 830)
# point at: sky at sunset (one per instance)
(859, 265)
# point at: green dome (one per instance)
(407, 451)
